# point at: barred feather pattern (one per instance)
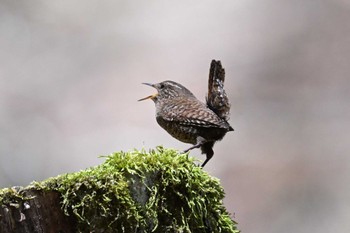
(217, 99)
(186, 119)
(189, 120)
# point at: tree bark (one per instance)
(41, 213)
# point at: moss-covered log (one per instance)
(138, 191)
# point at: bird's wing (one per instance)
(192, 112)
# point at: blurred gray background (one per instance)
(71, 74)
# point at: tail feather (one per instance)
(217, 99)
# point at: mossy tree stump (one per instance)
(138, 191)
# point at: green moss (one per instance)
(12, 196)
(139, 191)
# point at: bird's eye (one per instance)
(162, 86)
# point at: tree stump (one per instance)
(138, 191)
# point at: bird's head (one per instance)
(167, 90)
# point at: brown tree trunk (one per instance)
(41, 213)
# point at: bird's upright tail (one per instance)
(217, 99)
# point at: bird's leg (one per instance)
(207, 149)
(197, 145)
(200, 142)
(209, 156)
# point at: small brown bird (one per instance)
(189, 120)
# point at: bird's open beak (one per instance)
(151, 96)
